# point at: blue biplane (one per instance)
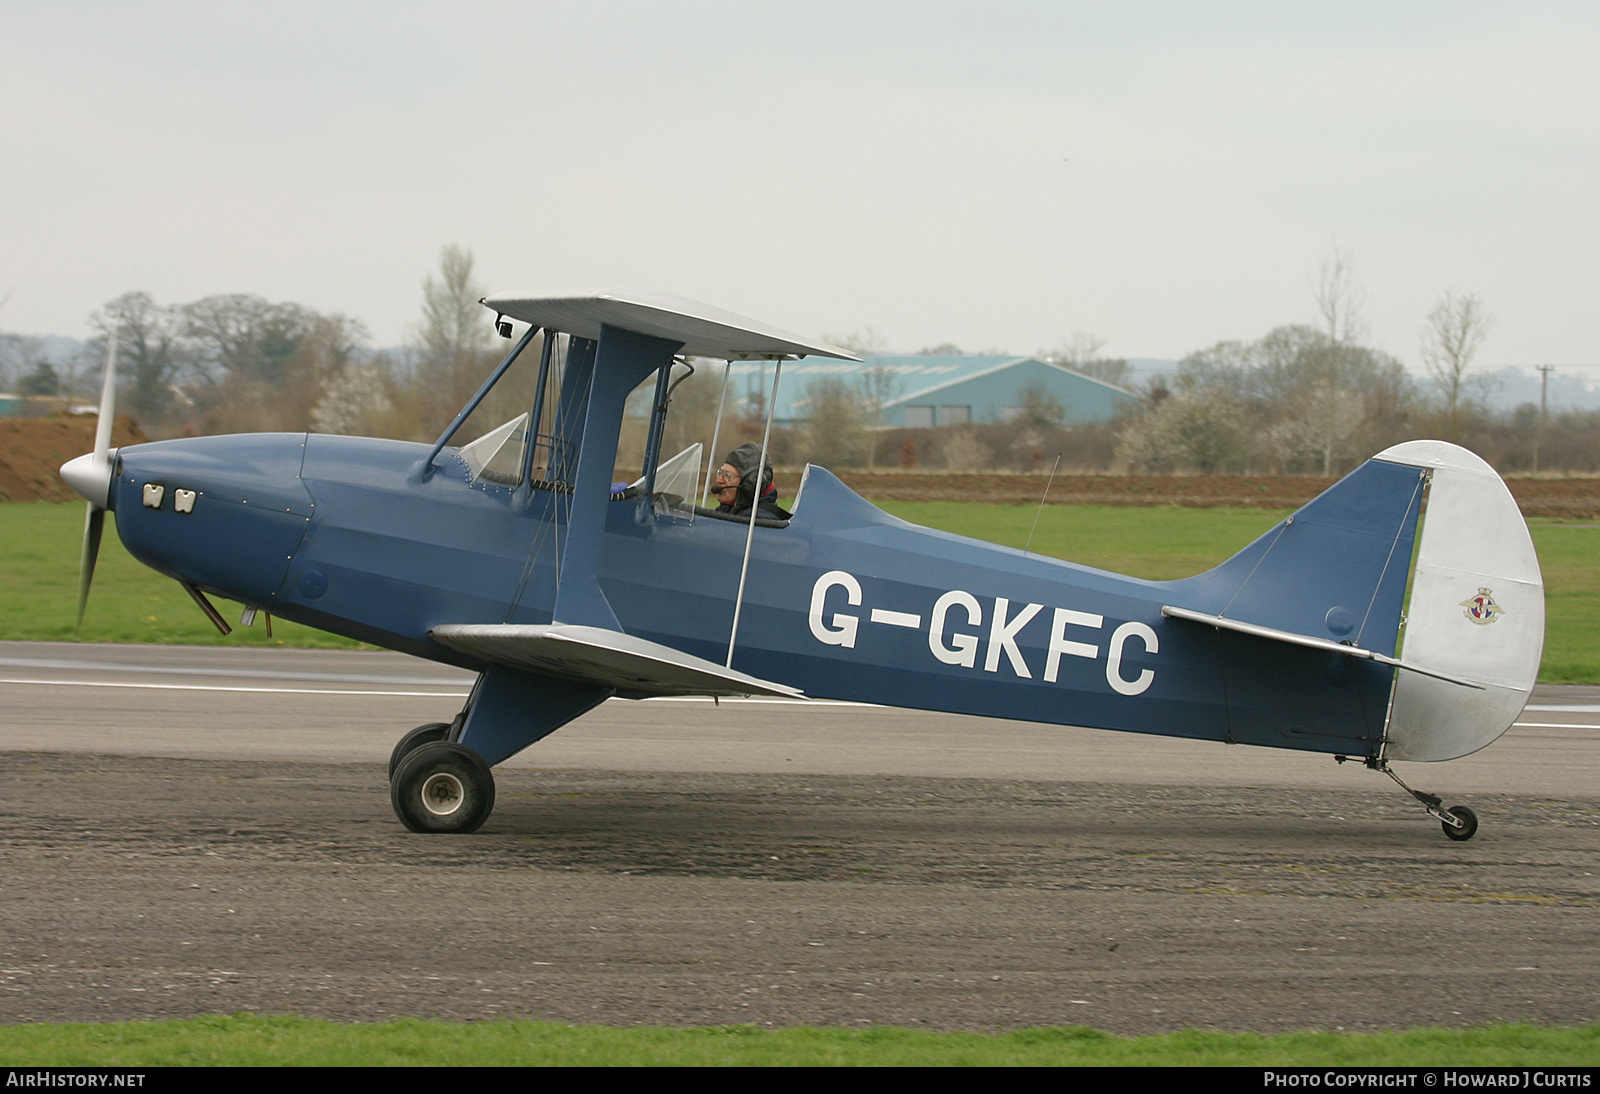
(1398, 616)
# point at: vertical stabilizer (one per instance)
(1476, 610)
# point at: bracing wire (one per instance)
(1042, 498)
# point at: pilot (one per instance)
(735, 483)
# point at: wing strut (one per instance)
(755, 506)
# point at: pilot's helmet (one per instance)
(744, 460)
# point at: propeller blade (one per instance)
(108, 401)
(94, 518)
(94, 523)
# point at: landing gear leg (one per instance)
(1459, 822)
(440, 779)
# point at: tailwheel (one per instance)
(1468, 820)
(422, 735)
(442, 787)
(1458, 822)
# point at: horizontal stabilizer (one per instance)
(636, 667)
(1306, 640)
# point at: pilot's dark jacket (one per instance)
(745, 459)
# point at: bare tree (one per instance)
(1204, 429)
(862, 409)
(148, 345)
(453, 338)
(963, 451)
(245, 337)
(247, 358)
(355, 399)
(331, 354)
(1110, 370)
(695, 402)
(1451, 337)
(877, 387)
(1039, 408)
(1081, 353)
(18, 354)
(865, 342)
(1339, 298)
(1295, 400)
(1320, 424)
(836, 433)
(452, 320)
(1078, 349)
(14, 350)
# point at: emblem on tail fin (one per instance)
(1482, 609)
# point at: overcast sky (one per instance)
(996, 175)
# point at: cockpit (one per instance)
(523, 429)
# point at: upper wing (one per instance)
(704, 331)
(636, 667)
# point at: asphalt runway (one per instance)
(190, 831)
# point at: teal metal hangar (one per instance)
(934, 391)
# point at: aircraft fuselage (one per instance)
(345, 534)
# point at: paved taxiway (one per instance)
(319, 705)
(198, 830)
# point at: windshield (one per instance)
(676, 480)
(497, 455)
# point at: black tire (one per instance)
(1469, 827)
(442, 787)
(422, 735)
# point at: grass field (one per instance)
(246, 1040)
(130, 603)
(39, 548)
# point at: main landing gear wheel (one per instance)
(1469, 824)
(422, 735)
(442, 787)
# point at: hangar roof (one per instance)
(916, 379)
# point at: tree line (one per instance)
(240, 363)
(1302, 399)
(1306, 399)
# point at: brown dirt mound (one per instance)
(32, 451)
